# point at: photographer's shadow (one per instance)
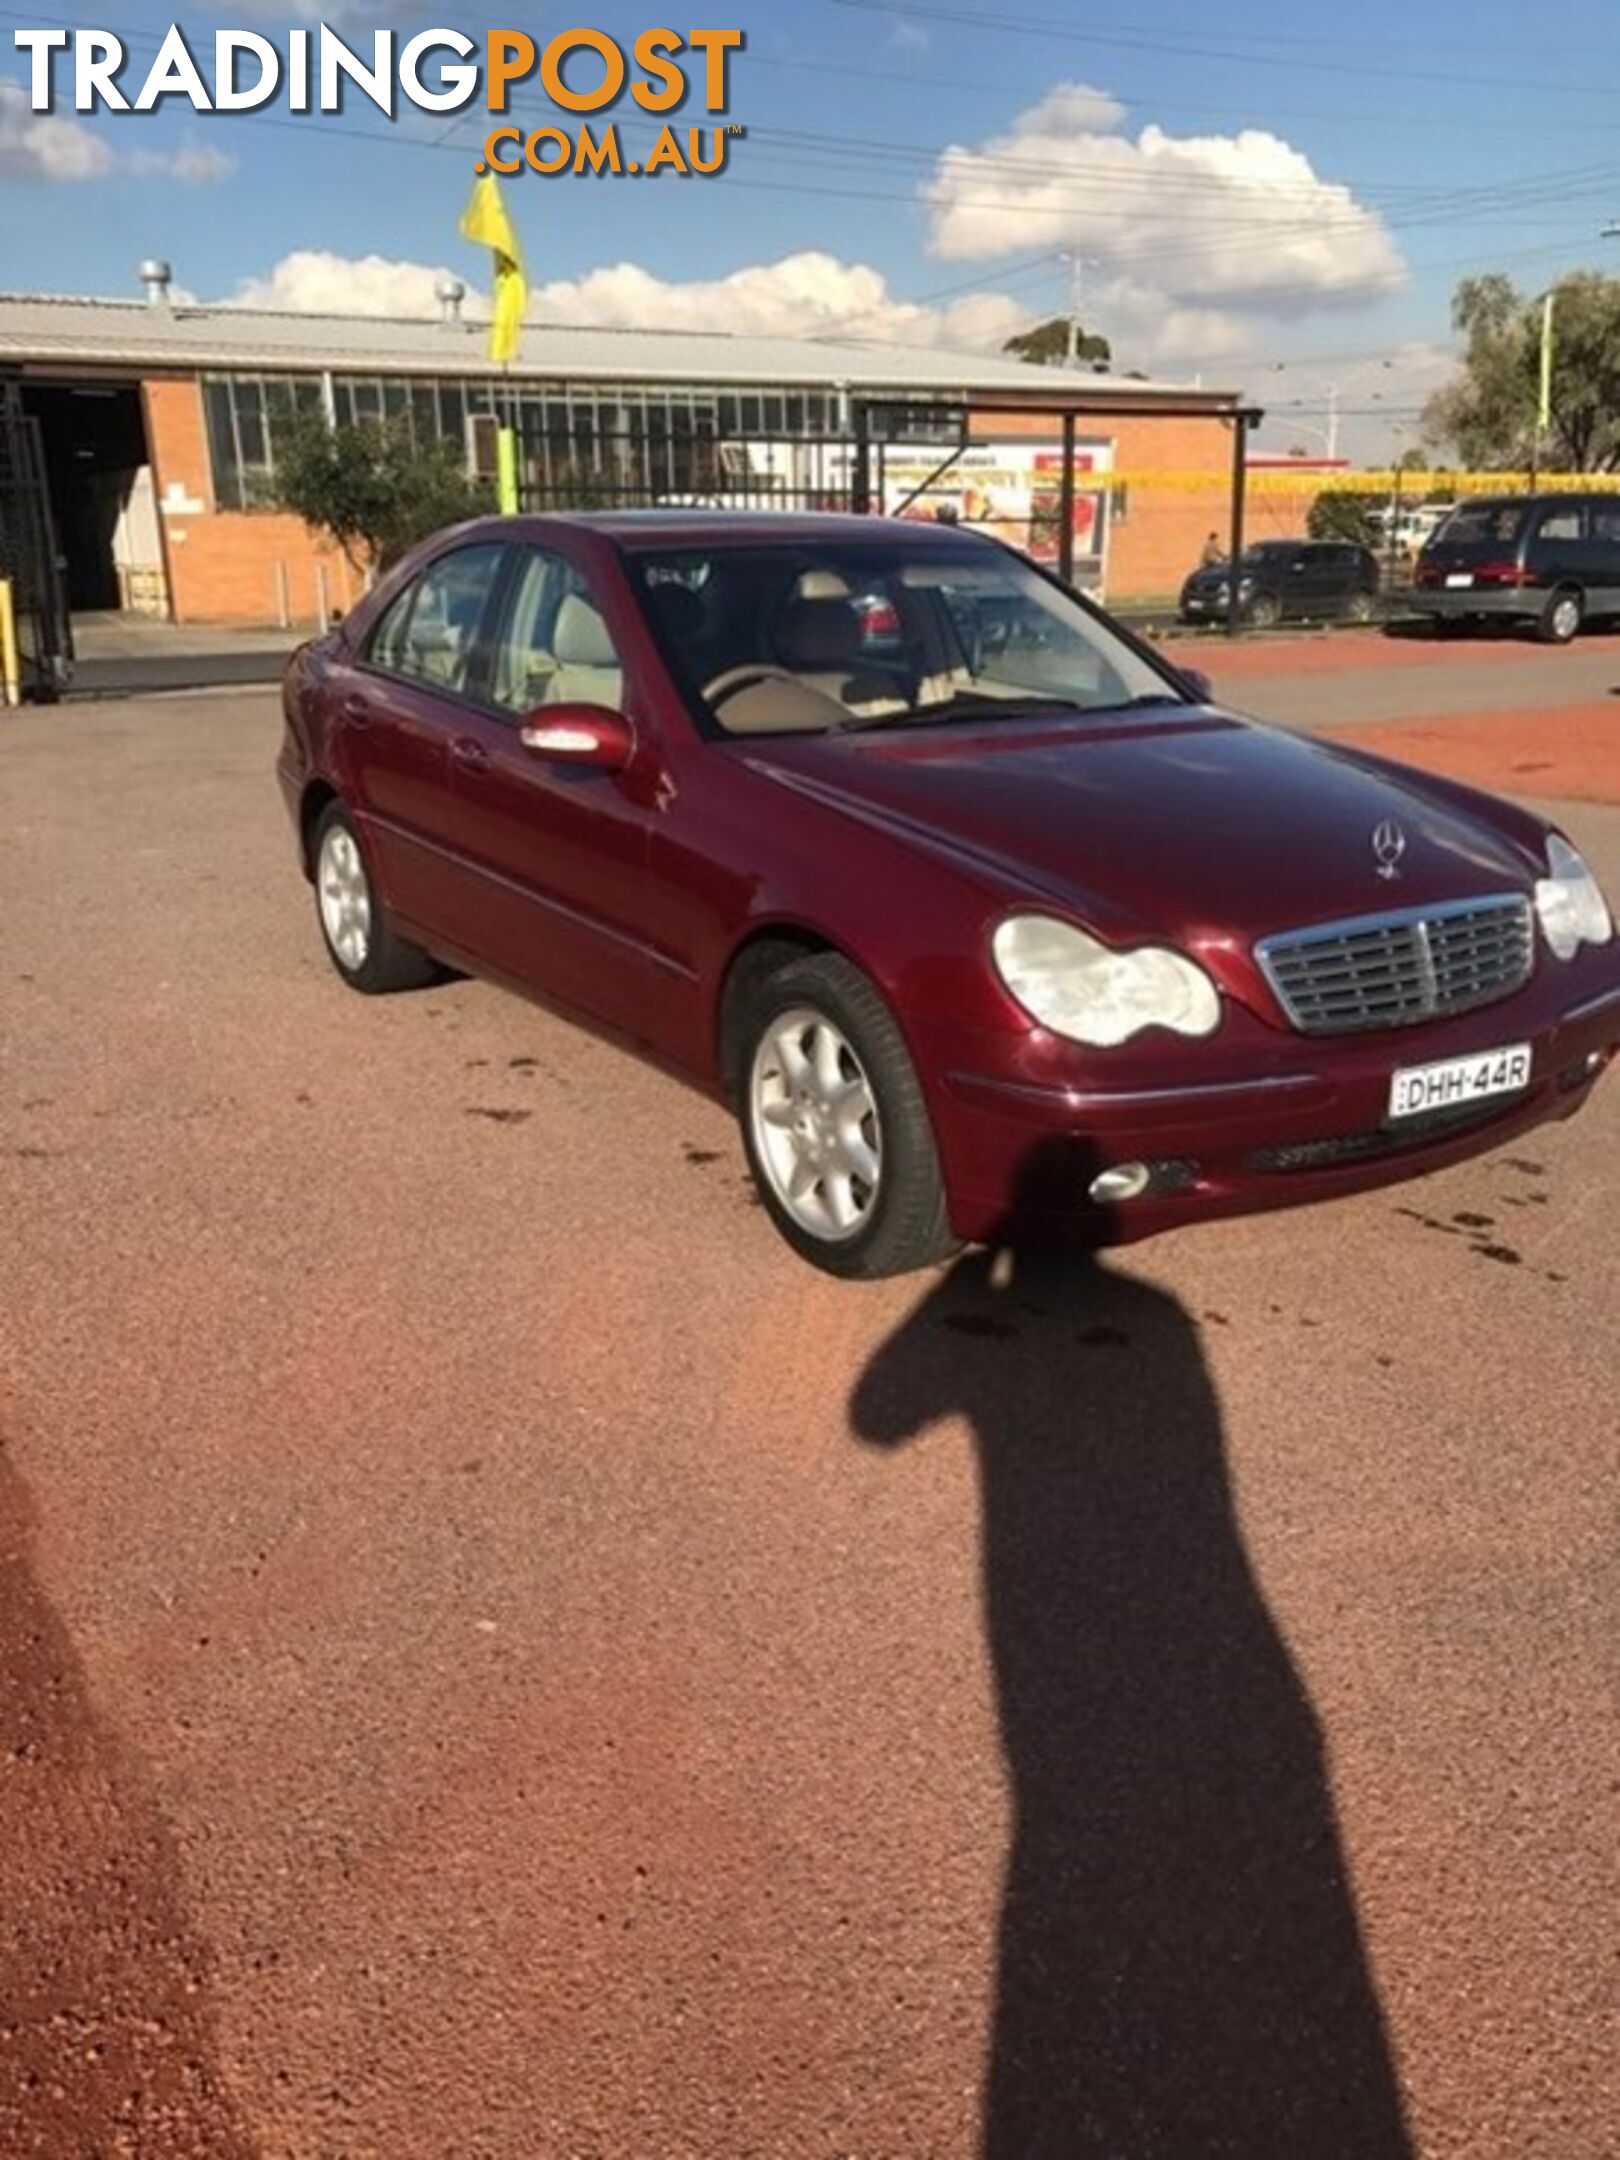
(1180, 1971)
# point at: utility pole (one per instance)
(1071, 256)
(1332, 421)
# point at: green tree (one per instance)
(1489, 412)
(371, 488)
(1337, 514)
(1047, 345)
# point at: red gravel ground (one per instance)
(1335, 652)
(499, 1661)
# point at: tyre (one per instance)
(1562, 616)
(1360, 608)
(1265, 611)
(834, 1123)
(360, 941)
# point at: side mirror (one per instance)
(591, 735)
(1199, 687)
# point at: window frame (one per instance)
(473, 693)
(517, 552)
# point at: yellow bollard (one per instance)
(10, 665)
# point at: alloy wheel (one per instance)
(345, 897)
(815, 1126)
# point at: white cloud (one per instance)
(313, 281)
(195, 164)
(1213, 221)
(45, 147)
(39, 146)
(809, 294)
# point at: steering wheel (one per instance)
(732, 679)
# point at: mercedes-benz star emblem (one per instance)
(1389, 845)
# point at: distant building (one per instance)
(160, 421)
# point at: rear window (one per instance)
(1483, 524)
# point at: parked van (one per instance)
(1548, 561)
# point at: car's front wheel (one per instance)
(360, 941)
(834, 1123)
(1265, 611)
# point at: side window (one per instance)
(1606, 522)
(554, 647)
(431, 632)
(1564, 523)
(388, 639)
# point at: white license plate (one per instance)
(1455, 1082)
(1456, 578)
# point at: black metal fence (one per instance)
(899, 471)
(677, 469)
(28, 555)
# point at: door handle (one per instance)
(357, 710)
(469, 753)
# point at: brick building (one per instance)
(159, 421)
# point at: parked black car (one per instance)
(1547, 561)
(1327, 580)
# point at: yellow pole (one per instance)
(10, 665)
(506, 471)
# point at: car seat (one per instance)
(587, 671)
(820, 640)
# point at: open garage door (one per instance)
(28, 551)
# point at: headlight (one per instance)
(1245, 585)
(1080, 988)
(1570, 902)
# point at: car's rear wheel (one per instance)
(835, 1125)
(1359, 608)
(1265, 611)
(360, 941)
(1561, 618)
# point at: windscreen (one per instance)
(815, 637)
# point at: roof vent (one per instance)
(449, 292)
(157, 277)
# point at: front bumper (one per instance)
(1205, 607)
(1277, 1120)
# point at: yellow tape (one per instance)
(1412, 487)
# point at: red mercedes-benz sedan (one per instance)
(977, 910)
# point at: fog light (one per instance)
(1125, 1181)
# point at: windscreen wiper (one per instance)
(968, 706)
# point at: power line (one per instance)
(1182, 48)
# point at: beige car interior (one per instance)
(578, 667)
(818, 679)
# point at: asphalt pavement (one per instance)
(501, 1661)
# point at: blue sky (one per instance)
(1261, 194)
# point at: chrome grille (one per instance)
(1393, 970)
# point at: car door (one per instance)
(1557, 552)
(552, 891)
(1603, 555)
(1318, 582)
(393, 719)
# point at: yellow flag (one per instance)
(486, 224)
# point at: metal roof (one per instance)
(43, 330)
